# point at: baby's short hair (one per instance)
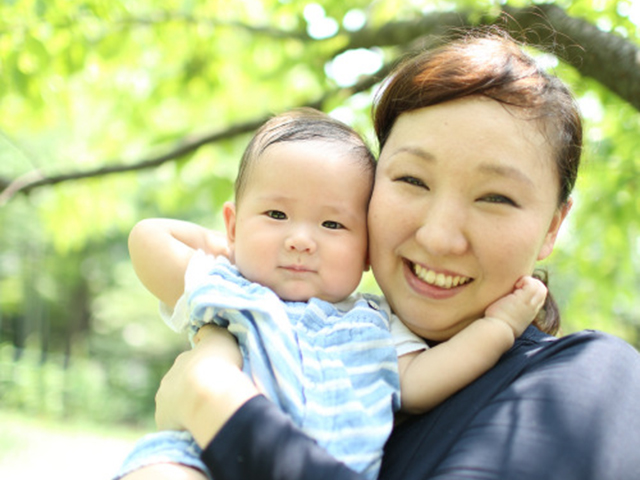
(302, 124)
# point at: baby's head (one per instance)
(299, 221)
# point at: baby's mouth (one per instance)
(438, 279)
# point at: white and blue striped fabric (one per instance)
(331, 367)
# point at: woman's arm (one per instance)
(260, 442)
(160, 251)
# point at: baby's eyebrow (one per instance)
(273, 197)
(327, 209)
(344, 214)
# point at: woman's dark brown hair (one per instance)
(492, 65)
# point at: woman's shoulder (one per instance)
(546, 393)
(539, 342)
(583, 346)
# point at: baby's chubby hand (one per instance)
(520, 307)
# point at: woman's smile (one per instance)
(431, 285)
(436, 278)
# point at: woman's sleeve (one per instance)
(260, 442)
(573, 414)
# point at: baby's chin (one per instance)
(293, 295)
(301, 296)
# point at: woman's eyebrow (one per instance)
(505, 171)
(487, 168)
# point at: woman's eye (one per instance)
(497, 198)
(412, 181)
(276, 214)
(330, 224)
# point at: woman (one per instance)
(479, 154)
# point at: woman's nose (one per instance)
(443, 231)
(300, 240)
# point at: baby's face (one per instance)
(301, 225)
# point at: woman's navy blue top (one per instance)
(566, 408)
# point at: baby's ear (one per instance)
(229, 215)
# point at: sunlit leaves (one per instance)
(94, 83)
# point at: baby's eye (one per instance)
(276, 214)
(412, 181)
(332, 225)
(497, 198)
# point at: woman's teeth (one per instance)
(439, 279)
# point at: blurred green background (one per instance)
(113, 111)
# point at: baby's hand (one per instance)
(519, 308)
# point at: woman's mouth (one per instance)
(438, 279)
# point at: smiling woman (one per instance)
(479, 206)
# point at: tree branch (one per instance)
(33, 180)
(404, 32)
(611, 60)
(607, 58)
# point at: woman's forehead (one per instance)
(477, 124)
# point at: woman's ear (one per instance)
(229, 215)
(557, 220)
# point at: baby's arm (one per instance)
(160, 251)
(429, 377)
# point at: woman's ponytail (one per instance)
(548, 320)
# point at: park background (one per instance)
(117, 110)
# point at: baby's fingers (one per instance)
(533, 290)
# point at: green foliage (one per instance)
(106, 390)
(601, 255)
(91, 84)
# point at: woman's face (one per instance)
(465, 202)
